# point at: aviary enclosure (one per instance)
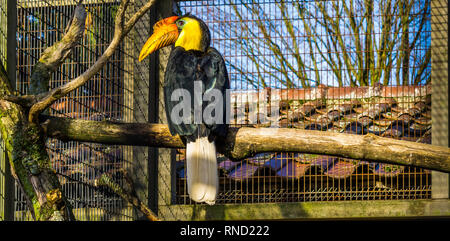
(349, 66)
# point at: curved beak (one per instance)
(165, 32)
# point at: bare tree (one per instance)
(357, 42)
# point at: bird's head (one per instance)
(186, 31)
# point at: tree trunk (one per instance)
(30, 164)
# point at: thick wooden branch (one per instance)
(52, 58)
(120, 31)
(245, 142)
(25, 101)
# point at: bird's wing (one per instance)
(179, 75)
(216, 77)
(185, 67)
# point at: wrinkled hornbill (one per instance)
(193, 61)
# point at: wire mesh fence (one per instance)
(343, 66)
(3, 160)
(107, 96)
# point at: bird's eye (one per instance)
(180, 23)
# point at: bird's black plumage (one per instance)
(185, 67)
(195, 97)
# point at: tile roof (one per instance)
(396, 112)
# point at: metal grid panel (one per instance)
(305, 53)
(109, 95)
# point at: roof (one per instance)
(396, 112)
(402, 112)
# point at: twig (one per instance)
(105, 180)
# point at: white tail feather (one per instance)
(202, 176)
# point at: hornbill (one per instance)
(193, 61)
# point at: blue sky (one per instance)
(229, 38)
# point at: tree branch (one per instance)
(245, 142)
(25, 101)
(54, 56)
(105, 180)
(121, 29)
(49, 61)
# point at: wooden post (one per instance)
(3, 160)
(166, 157)
(8, 59)
(439, 80)
(140, 168)
(11, 70)
(153, 106)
